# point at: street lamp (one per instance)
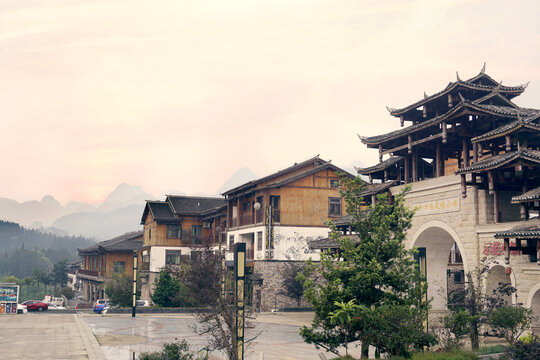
(134, 304)
(240, 276)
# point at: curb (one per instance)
(89, 340)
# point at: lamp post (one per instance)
(240, 276)
(134, 304)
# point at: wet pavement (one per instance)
(278, 335)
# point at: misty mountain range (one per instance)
(119, 213)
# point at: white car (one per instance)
(21, 309)
(56, 307)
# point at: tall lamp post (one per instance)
(240, 277)
(134, 304)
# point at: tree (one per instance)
(344, 317)
(58, 274)
(67, 292)
(291, 285)
(219, 322)
(119, 289)
(477, 304)
(375, 270)
(510, 321)
(174, 351)
(167, 288)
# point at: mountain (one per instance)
(124, 195)
(102, 225)
(239, 177)
(28, 212)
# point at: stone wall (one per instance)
(270, 271)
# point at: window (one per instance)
(334, 207)
(119, 267)
(334, 183)
(196, 234)
(231, 240)
(259, 240)
(172, 257)
(274, 202)
(174, 231)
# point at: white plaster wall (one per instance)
(157, 255)
(290, 242)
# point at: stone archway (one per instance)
(533, 302)
(496, 274)
(438, 238)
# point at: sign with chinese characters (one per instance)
(437, 206)
(496, 248)
(9, 297)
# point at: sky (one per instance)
(177, 95)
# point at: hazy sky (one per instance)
(177, 95)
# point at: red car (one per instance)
(35, 305)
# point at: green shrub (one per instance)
(455, 354)
(494, 349)
(510, 321)
(528, 349)
(174, 351)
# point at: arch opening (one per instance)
(497, 276)
(445, 263)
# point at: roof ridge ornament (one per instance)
(457, 77)
(390, 110)
(525, 85)
(483, 70)
(425, 95)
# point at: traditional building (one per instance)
(174, 229)
(471, 156)
(277, 215)
(101, 261)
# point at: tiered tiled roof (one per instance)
(373, 189)
(127, 242)
(193, 205)
(380, 166)
(529, 229)
(529, 196)
(529, 123)
(501, 160)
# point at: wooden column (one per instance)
(463, 186)
(465, 153)
(496, 206)
(409, 145)
(401, 121)
(449, 100)
(491, 185)
(437, 168)
(371, 178)
(373, 200)
(414, 167)
(444, 132)
(507, 250)
(523, 206)
(385, 178)
(380, 153)
(407, 158)
(508, 144)
(475, 152)
(480, 150)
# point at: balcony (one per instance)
(252, 218)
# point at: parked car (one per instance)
(143, 303)
(56, 307)
(35, 305)
(83, 305)
(100, 305)
(53, 300)
(21, 309)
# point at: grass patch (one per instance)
(443, 355)
(493, 349)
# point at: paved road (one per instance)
(57, 335)
(47, 335)
(121, 335)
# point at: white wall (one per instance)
(290, 242)
(157, 255)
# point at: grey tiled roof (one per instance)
(309, 172)
(193, 205)
(514, 126)
(531, 195)
(502, 111)
(160, 210)
(529, 229)
(500, 160)
(329, 243)
(377, 188)
(316, 161)
(467, 84)
(380, 166)
(127, 242)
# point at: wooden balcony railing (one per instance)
(256, 217)
(88, 272)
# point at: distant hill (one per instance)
(24, 250)
(102, 226)
(239, 177)
(14, 236)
